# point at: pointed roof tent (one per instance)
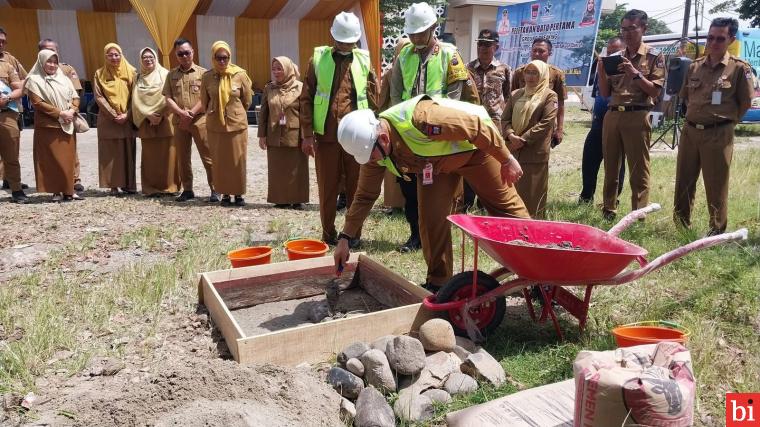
(257, 30)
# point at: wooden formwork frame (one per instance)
(225, 290)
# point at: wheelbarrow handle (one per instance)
(632, 217)
(677, 253)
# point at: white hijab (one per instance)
(55, 89)
(147, 96)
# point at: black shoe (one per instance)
(430, 287)
(153, 196)
(78, 187)
(239, 201)
(6, 185)
(609, 216)
(297, 206)
(412, 244)
(213, 198)
(19, 197)
(354, 243)
(128, 191)
(585, 201)
(67, 199)
(341, 202)
(226, 201)
(24, 186)
(281, 206)
(185, 196)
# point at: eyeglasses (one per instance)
(114, 55)
(148, 58)
(184, 53)
(630, 29)
(718, 39)
(485, 44)
(222, 58)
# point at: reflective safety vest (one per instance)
(436, 70)
(400, 117)
(324, 67)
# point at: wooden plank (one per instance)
(220, 276)
(321, 341)
(387, 286)
(222, 317)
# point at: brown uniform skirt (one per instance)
(533, 188)
(116, 163)
(158, 171)
(288, 172)
(54, 155)
(228, 154)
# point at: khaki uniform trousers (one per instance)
(76, 160)
(533, 188)
(435, 204)
(331, 161)
(626, 134)
(9, 146)
(183, 142)
(709, 151)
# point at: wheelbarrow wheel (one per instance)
(487, 316)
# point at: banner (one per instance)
(749, 50)
(570, 25)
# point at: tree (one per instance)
(392, 19)
(748, 9)
(610, 26)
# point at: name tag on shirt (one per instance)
(716, 97)
(427, 174)
(282, 119)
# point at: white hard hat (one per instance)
(346, 28)
(357, 133)
(418, 18)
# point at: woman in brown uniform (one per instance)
(279, 134)
(55, 104)
(150, 114)
(225, 96)
(528, 120)
(112, 86)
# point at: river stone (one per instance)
(483, 365)
(405, 355)
(344, 382)
(347, 409)
(441, 364)
(377, 371)
(437, 335)
(355, 366)
(372, 410)
(382, 342)
(436, 395)
(353, 351)
(411, 406)
(459, 383)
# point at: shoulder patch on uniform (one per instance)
(454, 60)
(431, 130)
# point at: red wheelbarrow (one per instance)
(548, 255)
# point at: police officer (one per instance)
(339, 80)
(626, 130)
(491, 76)
(71, 73)
(442, 141)
(717, 91)
(182, 91)
(541, 49)
(6, 57)
(432, 67)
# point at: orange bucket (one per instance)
(255, 255)
(650, 332)
(305, 248)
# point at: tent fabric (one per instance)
(23, 35)
(227, 7)
(71, 4)
(56, 24)
(211, 29)
(96, 29)
(132, 36)
(370, 13)
(164, 20)
(283, 39)
(310, 35)
(252, 40)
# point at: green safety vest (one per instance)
(400, 117)
(324, 67)
(436, 71)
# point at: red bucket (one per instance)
(305, 248)
(651, 332)
(255, 255)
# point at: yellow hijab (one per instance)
(116, 82)
(147, 98)
(225, 75)
(531, 98)
(283, 94)
(55, 89)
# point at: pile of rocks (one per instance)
(422, 371)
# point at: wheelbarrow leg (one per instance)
(586, 301)
(548, 309)
(529, 303)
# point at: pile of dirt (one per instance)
(568, 245)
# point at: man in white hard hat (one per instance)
(426, 66)
(442, 141)
(339, 80)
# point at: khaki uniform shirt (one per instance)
(538, 135)
(287, 135)
(184, 88)
(107, 128)
(236, 110)
(342, 97)
(439, 123)
(731, 77)
(460, 85)
(8, 74)
(14, 63)
(626, 91)
(556, 80)
(71, 73)
(45, 114)
(493, 86)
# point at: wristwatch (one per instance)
(344, 236)
(638, 76)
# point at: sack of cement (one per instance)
(650, 385)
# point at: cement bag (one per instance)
(650, 385)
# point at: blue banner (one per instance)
(570, 25)
(749, 50)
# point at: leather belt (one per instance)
(628, 108)
(710, 126)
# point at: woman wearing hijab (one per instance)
(528, 121)
(279, 134)
(158, 171)
(55, 105)
(112, 86)
(225, 96)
